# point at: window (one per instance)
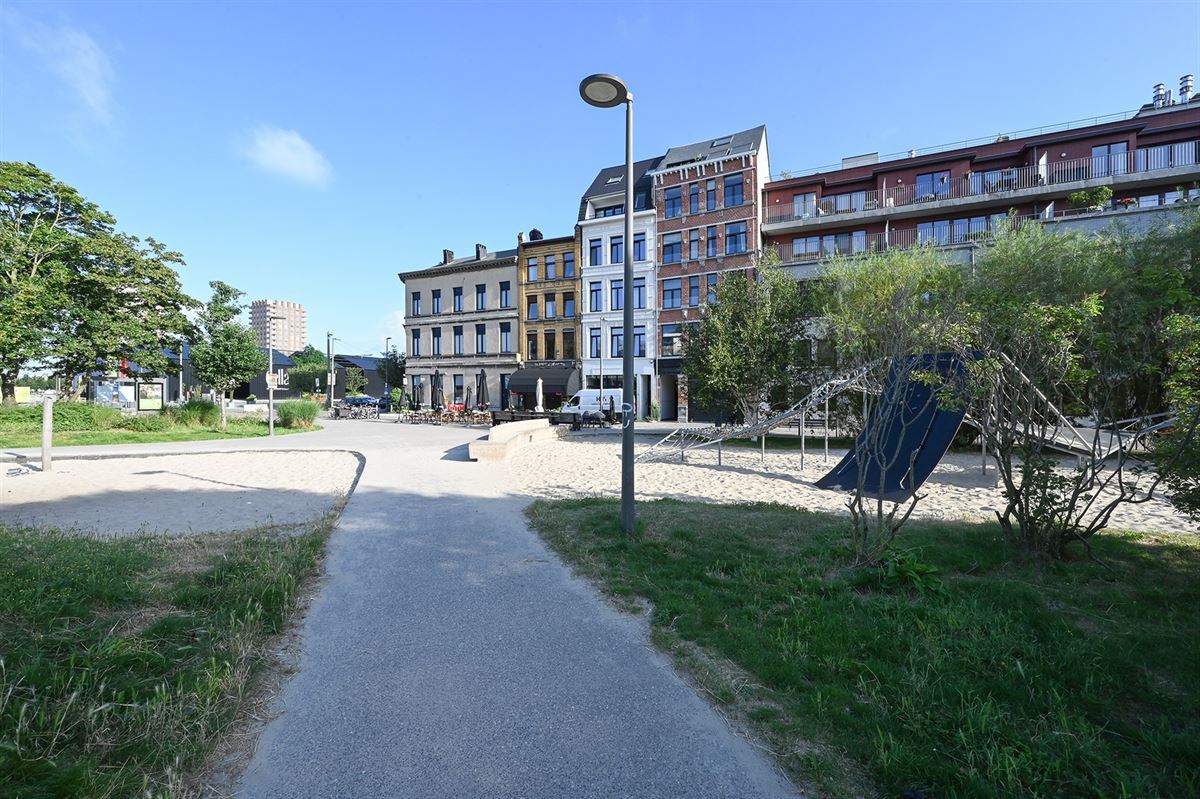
(458, 305)
(671, 339)
(639, 293)
(568, 264)
(437, 300)
(531, 307)
(672, 288)
(936, 233)
(694, 290)
(531, 348)
(1166, 155)
(616, 337)
(595, 296)
(506, 336)
(710, 238)
(933, 184)
(733, 190)
(480, 297)
(1148, 201)
(639, 341)
(505, 294)
(710, 196)
(594, 342)
(616, 299)
(639, 246)
(673, 202)
(858, 241)
(504, 391)
(595, 253)
(531, 267)
(569, 304)
(694, 243)
(458, 390)
(735, 238)
(1110, 159)
(711, 280)
(416, 387)
(694, 198)
(480, 339)
(721, 142)
(416, 344)
(551, 345)
(568, 336)
(958, 230)
(416, 303)
(437, 341)
(804, 205)
(672, 248)
(551, 268)
(551, 306)
(458, 340)
(612, 210)
(616, 250)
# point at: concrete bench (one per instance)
(504, 438)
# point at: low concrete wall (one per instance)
(504, 438)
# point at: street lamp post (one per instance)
(387, 369)
(329, 339)
(609, 91)
(271, 373)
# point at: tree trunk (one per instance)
(223, 427)
(8, 387)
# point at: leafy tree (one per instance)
(356, 381)
(228, 355)
(1177, 456)
(310, 356)
(311, 367)
(74, 294)
(391, 367)
(743, 349)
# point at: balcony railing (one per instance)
(996, 181)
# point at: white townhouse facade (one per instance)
(601, 233)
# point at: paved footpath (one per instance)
(450, 654)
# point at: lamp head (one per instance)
(603, 91)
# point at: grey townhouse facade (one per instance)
(461, 328)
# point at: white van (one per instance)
(590, 401)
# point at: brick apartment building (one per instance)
(461, 328)
(709, 217)
(279, 324)
(549, 308)
(954, 196)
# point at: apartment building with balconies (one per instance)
(600, 231)
(461, 328)
(953, 196)
(549, 318)
(709, 222)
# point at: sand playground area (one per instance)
(958, 489)
(185, 494)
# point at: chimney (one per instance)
(480, 252)
(520, 238)
(447, 256)
(535, 235)
(1185, 89)
(1160, 95)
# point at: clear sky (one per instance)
(310, 151)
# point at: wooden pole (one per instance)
(47, 428)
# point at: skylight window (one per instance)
(616, 179)
(722, 142)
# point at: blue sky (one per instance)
(310, 151)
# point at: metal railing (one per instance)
(996, 181)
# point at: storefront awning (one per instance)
(555, 380)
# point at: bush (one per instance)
(250, 398)
(67, 416)
(196, 412)
(298, 413)
(147, 424)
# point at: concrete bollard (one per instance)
(47, 428)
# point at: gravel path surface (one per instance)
(957, 489)
(187, 494)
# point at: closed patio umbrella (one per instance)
(482, 394)
(538, 407)
(435, 395)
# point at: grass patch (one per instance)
(1019, 679)
(121, 660)
(238, 428)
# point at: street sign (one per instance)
(277, 379)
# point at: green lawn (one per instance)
(121, 660)
(1019, 679)
(75, 438)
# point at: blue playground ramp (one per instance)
(908, 432)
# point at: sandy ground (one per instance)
(956, 490)
(177, 494)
